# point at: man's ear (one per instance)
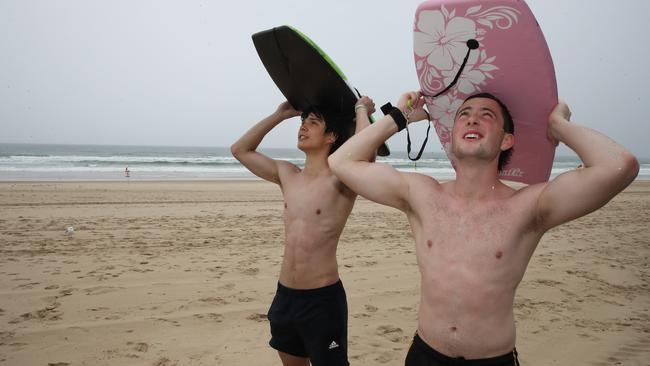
(508, 141)
(332, 137)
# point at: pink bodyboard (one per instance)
(512, 62)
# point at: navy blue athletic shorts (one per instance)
(421, 354)
(311, 323)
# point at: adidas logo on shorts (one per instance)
(333, 345)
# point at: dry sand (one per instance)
(182, 273)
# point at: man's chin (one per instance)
(307, 148)
(466, 155)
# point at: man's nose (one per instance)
(472, 119)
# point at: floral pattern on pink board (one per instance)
(440, 38)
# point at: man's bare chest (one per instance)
(462, 230)
(313, 199)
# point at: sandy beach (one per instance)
(182, 273)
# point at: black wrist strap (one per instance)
(385, 109)
(398, 117)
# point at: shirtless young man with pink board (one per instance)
(475, 235)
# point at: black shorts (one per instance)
(421, 354)
(311, 323)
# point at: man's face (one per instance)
(311, 134)
(478, 130)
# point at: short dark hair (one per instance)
(342, 126)
(508, 125)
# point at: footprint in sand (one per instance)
(66, 292)
(218, 271)
(392, 333)
(228, 286)
(550, 283)
(49, 313)
(27, 286)
(214, 300)
(5, 337)
(385, 357)
(250, 271)
(258, 317)
(100, 290)
(173, 322)
(165, 362)
(371, 308)
(629, 354)
(98, 308)
(139, 347)
(212, 316)
(113, 317)
(588, 336)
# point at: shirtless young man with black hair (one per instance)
(308, 315)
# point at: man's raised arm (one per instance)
(363, 109)
(244, 149)
(608, 169)
(377, 182)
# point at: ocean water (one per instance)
(31, 162)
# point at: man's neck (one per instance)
(315, 162)
(476, 181)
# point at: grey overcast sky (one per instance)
(186, 73)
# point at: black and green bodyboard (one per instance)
(305, 74)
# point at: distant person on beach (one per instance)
(474, 236)
(127, 172)
(308, 316)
